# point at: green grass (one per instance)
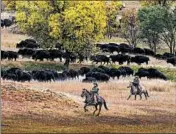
(169, 72)
(30, 65)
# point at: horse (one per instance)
(134, 91)
(89, 101)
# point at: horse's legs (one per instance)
(85, 108)
(99, 109)
(140, 96)
(145, 95)
(95, 109)
(129, 97)
(135, 96)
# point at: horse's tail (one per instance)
(147, 93)
(105, 105)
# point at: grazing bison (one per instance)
(150, 73)
(113, 72)
(98, 76)
(106, 69)
(25, 76)
(167, 55)
(149, 52)
(55, 54)
(172, 61)
(121, 58)
(96, 69)
(26, 52)
(158, 56)
(126, 71)
(100, 58)
(140, 59)
(142, 73)
(43, 75)
(28, 43)
(12, 55)
(124, 48)
(4, 55)
(41, 55)
(83, 70)
(73, 74)
(7, 22)
(138, 51)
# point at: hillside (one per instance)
(31, 107)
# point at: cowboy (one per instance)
(136, 83)
(95, 90)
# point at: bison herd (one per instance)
(29, 48)
(100, 73)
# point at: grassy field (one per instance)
(61, 109)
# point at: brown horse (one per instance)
(89, 101)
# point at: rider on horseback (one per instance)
(136, 83)
(94, 91)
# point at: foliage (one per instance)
(112, 10)
(157, 23)
(129, 26)
(157, 2)
(9, 4)
(74, 24)
(168, 34)
(150, 26)
(83, 25)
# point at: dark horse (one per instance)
(89, 101)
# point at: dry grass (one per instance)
(9, 40)
(157, 114)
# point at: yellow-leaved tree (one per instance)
(75, 24)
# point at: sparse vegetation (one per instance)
(57, 107)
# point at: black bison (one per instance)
(26, 52)
(113, 72)
(138, 50)
(140, 59)
(83, 71)
(167, 55)
(149, 52)
(41, 55)
(98, 76)
(100, 58)
(55, 54)
(150, 73)
(124, 48)
(121, 58)
(28, 43)
(172, 61)
(126, 71)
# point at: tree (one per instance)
(75, 24)
(33, 17)
(83, 25)
(158, 23)
(129, 26)
(112, 10)
(168, 34)
(157, 2)
(150, 26)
